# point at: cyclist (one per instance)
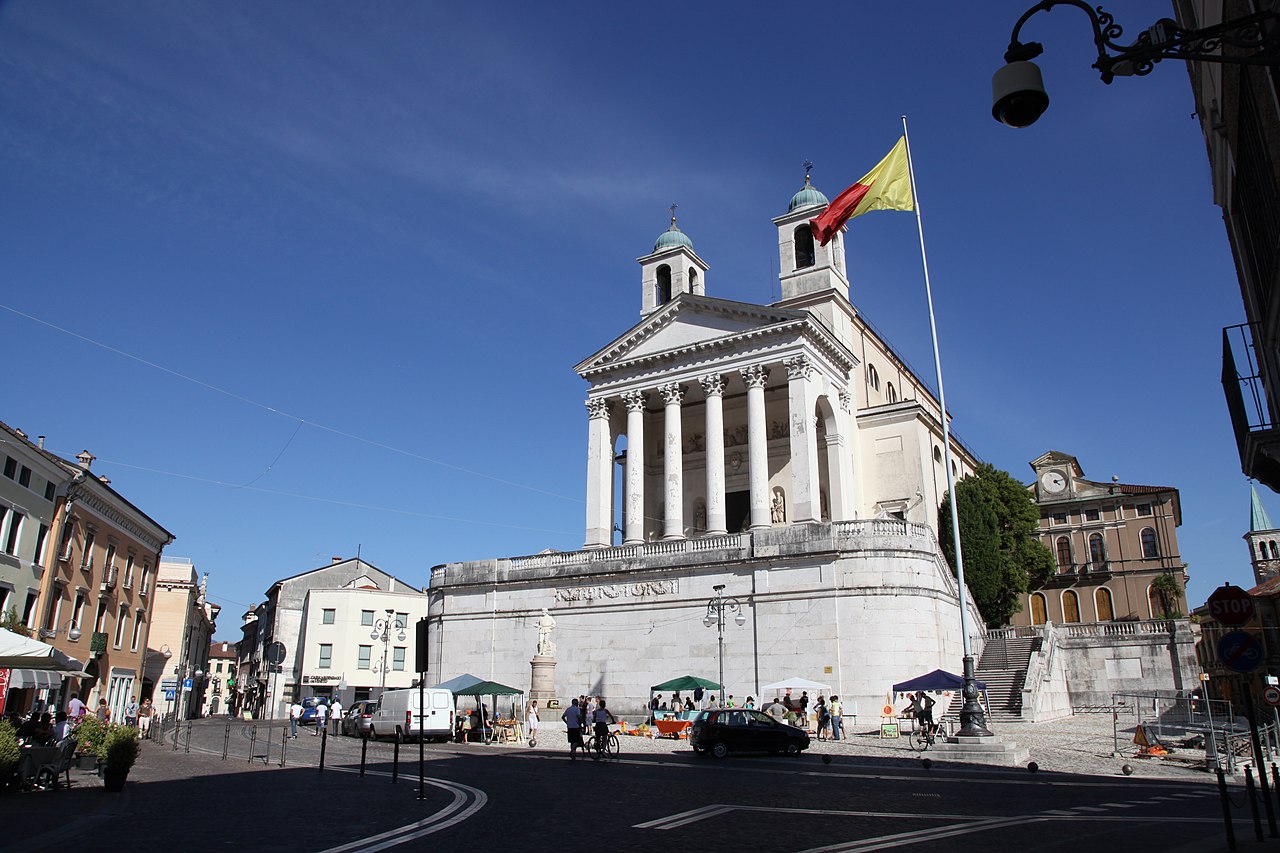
(601, 717)
(922, 709)
(572, 717)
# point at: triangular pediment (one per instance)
(688, 322)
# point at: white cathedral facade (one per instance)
(783, 451)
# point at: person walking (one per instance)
(295, 714)
(145, 712)
(572, 718)
(824, 717)
(531, 722)
(322, 710)
(103, 713)
(75, 709)
(335, 713)
(131, 713)
(837, 714)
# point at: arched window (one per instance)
(891, 393)
(1155, 603)
(1275, 555)
(1097, 551)
(1070, 606)
(937, 454)
(803, 238)
(693, 280)
(1038, 616)
(1064, 553)
(1150, 550)
(663, 295)
(1102, 600)
(873, 378)
(1262, 550)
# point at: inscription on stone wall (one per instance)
(639, 589)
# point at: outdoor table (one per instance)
(32, 759)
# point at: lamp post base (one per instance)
(973, 722)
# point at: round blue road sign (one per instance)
(1240, 651)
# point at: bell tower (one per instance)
(804, 267)
(672, 268)
(1264, 541)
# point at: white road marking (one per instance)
(1118, 805)
(1088, 809)
(450, 815)
(903, 838)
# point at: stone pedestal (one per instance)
(981, 750)
(542, 685)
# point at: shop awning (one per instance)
(24, 678)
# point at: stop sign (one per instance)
(1231, 605)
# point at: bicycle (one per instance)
(609, 747)
(924, 737)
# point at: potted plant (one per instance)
(9, 754)
(90, 735)
(119, 751)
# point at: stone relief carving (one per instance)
(735, 460)
(777, 429)
(695, 443)
(736, 436)
(639, 589)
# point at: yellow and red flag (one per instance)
(886, 187)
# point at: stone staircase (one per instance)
(1003, 669)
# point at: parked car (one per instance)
(739, 730)
(309, 704)
(358, 719)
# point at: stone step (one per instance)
(982, 750)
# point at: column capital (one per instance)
(672, 392)
(712, 384)
(597, 407)
(634, 401)
(755, 376)
(846, 400)
(798, 366)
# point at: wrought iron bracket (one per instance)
(1259, 32)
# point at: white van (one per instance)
(398, 715)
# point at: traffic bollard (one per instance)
(1226, 809)
(1253, 801)
(395, 761)
(226, 741)
(324, 739)
(364, 746)
(253, 742)
(189, 722)
(177, 731)
(284, 744)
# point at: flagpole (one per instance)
(972, 719)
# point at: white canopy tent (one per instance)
(795, 683)
(35, 664)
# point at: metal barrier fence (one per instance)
(1167, 716)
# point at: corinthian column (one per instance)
(599, 475)
(634, 534)
(757, 445)
(713, 386)
(804, 441)
(673, 462)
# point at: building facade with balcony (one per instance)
(1115, 544)
(784, 455)
(97, 598)
(1239, 111)
(220, 692)
(318, 619)
(183, 626)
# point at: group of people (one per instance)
(582, 712)
(827, 714)
(323, 712)
(700, 700)
(44, 727)
(921, 710)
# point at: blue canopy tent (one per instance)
(936, 681)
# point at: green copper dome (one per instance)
(672, 237)
(808, 196)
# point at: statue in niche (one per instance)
(546, 648)
(779, 506)
(700, 515)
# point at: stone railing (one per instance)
(733, 541)
(1120, 629)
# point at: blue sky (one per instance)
(312, 277)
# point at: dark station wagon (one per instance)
(719, 733)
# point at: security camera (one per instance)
(1018, 97)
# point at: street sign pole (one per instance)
(1258, 761)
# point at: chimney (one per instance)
(40, 438)
(337, 559)
(85, 458)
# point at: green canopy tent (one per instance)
(492, 689)
(684, 682)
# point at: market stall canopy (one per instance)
(19, 652)
(685, 682)
(795, 684)
(488, 688)
(939, 679)
(459, 682)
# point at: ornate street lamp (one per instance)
(1017, 90)
(716, 610)
(382, 631)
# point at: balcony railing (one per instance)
(1245, 384)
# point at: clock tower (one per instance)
(1055, 476)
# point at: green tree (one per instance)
(1003, 557)
(1166, 587)
(12, 622)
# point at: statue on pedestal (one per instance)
(546, 648)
